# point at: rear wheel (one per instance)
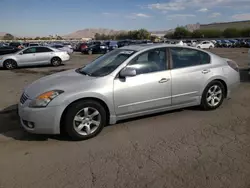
(10, 64)
(56, 61)
(210, 47)
(85, 119)
(213, 96)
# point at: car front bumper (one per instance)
(40, 120)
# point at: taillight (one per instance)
(84, 46)
(233, 65)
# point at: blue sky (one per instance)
(45, 17)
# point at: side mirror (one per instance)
(127, 72)
(21, 53)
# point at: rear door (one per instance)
(43, 55)
(190, 70)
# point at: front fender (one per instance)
(68, 99)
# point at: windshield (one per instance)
(107, 63)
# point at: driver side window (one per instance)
(29, 51)
(151, 61)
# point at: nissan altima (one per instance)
(127, 82)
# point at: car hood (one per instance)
(66, 81)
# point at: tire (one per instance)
(56, 61)
(198, 47)
(210, 47)
(76, 117)
(213, 96)
(90, 52)
(10, 64)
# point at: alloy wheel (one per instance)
(214, 95)
(87, 121)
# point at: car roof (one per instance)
(141, 47)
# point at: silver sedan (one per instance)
(33, 56)
(127, 82)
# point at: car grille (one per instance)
(23, 98)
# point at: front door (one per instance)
(27, 57)
(190, 71)
(150, 89)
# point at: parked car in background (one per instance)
(226, 44)
(33, 56)
(33, 44)
(191, 43)
(81, 46)
(111, 45)
(123, 43)
(15, 44)
(8, 50)
(125, 83)
(68, 45)
(63, 48)
(205, 45)
(96, 49)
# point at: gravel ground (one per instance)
(184, 148)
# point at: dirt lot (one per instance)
(186, 148)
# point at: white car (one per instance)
(33, 56)
(205, 45)
(63, 48)
(181, 43)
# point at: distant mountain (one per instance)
(90, 33)
(2, 34)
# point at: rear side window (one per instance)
(186, 57)
(42, 49)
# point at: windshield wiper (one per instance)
(82, 72)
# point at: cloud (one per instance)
(137, 15)
(173, 5)
(203, 10)
(176, 5)
(179, 16)
(215, 14)
(109, 14)
(245, 16)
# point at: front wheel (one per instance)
(10, 64)
(213, 96)
(85, 119)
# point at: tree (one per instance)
(37, 38)
(231, 32)
(245, 32)
(181, 32)
(142, 34)
(211, 33)
(197, 34)
(59, 38)
(8, 37)
(169, 35)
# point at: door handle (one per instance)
(163, 80)
(206, 71)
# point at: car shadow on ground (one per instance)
(10, 126)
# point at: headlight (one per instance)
(44, 99)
